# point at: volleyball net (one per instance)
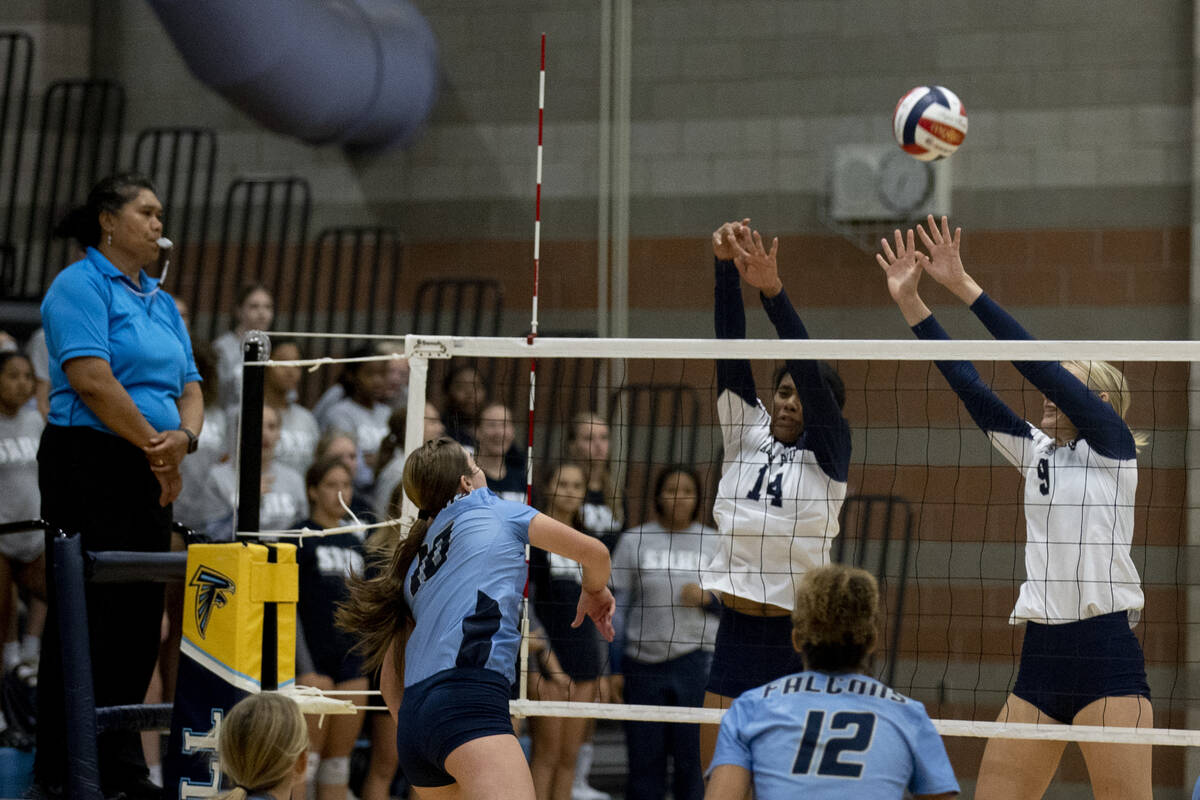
(931, 509)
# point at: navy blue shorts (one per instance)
(580, 651)
(751, 651)
(336, 660)
(444, 711)
(1066, 667)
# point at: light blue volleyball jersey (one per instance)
(817, 735)
(465, 586)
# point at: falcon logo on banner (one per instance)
(212, 591)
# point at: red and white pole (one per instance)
(532, 335)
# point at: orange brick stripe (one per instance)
(967, 622)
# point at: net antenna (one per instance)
(529, 339)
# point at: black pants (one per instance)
(101, 486)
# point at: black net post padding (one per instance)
(140, 717)
(255, 347)
(269, 675)
(83, 767)
(119, 566)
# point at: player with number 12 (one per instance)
(830, 731)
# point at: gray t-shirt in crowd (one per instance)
(389, 478)
(229, 368)
(283, 505)
(19, 437)
(298, 434)
(214, 446)
(368, 425)
(649, 569)
(39, 354)
(328, 399)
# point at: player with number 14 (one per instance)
(783, 480)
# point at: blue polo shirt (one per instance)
(91, 310)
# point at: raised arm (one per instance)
(730, 315)
(826, 431)
(903, 267)
(1097, 421)
(595, 600)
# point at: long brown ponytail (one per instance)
(375, 611)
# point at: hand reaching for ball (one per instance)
(725, 239)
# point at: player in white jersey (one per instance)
(1080, 662)
(830, 731)
(783, 480)
(440, 620)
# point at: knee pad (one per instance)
(334, 771)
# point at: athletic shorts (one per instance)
(751, 651)
(335, 657)
(1066, 667)
(445, 711)
(580, 650)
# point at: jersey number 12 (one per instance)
(831, 764)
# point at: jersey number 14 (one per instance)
(774, 487)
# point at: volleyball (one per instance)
(930, 122)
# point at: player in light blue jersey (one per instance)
(440, 621)
(1080, 661)
(830, 731)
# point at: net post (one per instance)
(256, 347)
(83, 766)
(414, 429)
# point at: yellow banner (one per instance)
(224, 596)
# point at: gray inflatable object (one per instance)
(362, 73)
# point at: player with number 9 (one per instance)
(830, 731)
(783, 480)
(440, 620)
(1080, 661)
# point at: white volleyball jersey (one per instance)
(776, 509)
(1084, 568)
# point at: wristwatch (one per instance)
(193, 440)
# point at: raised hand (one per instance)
(903, 267)
(945, 263)
(725, 239)
(756, 265)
